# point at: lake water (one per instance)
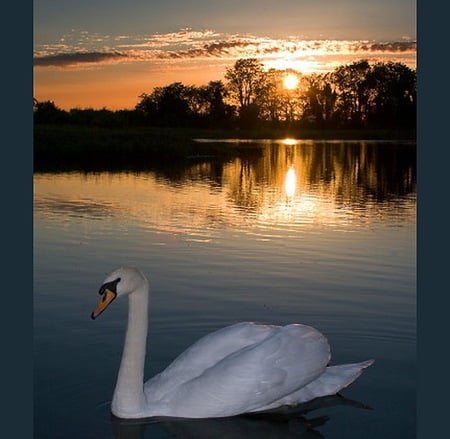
(320, 233)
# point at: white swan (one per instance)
(238, 369)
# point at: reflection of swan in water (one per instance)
(238, 369)
(237, 427)
(289, 423)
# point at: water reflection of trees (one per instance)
(345, 173)
(358, 172)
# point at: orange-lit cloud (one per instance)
(95, 49)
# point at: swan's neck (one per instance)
(128, 399)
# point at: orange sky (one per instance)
(115, 86)
(106, 53)
(94, 71)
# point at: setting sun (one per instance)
(290, 81)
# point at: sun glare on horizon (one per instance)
(291, 81)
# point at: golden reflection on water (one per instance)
(290, 185)
(290, 182)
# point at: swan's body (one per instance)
(238, 369)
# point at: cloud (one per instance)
(71, 59)
(82, 49)
(398, 46)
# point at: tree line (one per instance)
(356, 95)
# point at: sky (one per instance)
(107, 53)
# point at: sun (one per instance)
(290, 81)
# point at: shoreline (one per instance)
(82, 146)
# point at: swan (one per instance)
(242, 368)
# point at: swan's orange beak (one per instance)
(108, 292)
(107, 296)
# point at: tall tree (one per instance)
(211, 99)
(272, 106)
(246, 81)
(393, 98)
(319, 100)
(353, 92)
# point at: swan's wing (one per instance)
(254, 376)
(205, 353)
(333, 380)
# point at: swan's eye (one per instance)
(109, 286)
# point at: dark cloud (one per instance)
(216, 49)
(223, 47)
(69, 59)
(271, 50)
(398, 46)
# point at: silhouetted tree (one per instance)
(272, 106)
(355, 95)
(48, 112)
(248, 86)
(393, 94)
(181, 105)
(319, 101)
(219, 113)
(168, 106)
(353, 92)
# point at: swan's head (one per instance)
(120, 282)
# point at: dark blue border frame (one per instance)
(17, 223)
(433, 220)
(16, 322)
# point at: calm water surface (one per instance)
(310, 232)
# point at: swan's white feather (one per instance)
(330, 382)
(204, 353)
(281, 360)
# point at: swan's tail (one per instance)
(333, 380)
(337, 377)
